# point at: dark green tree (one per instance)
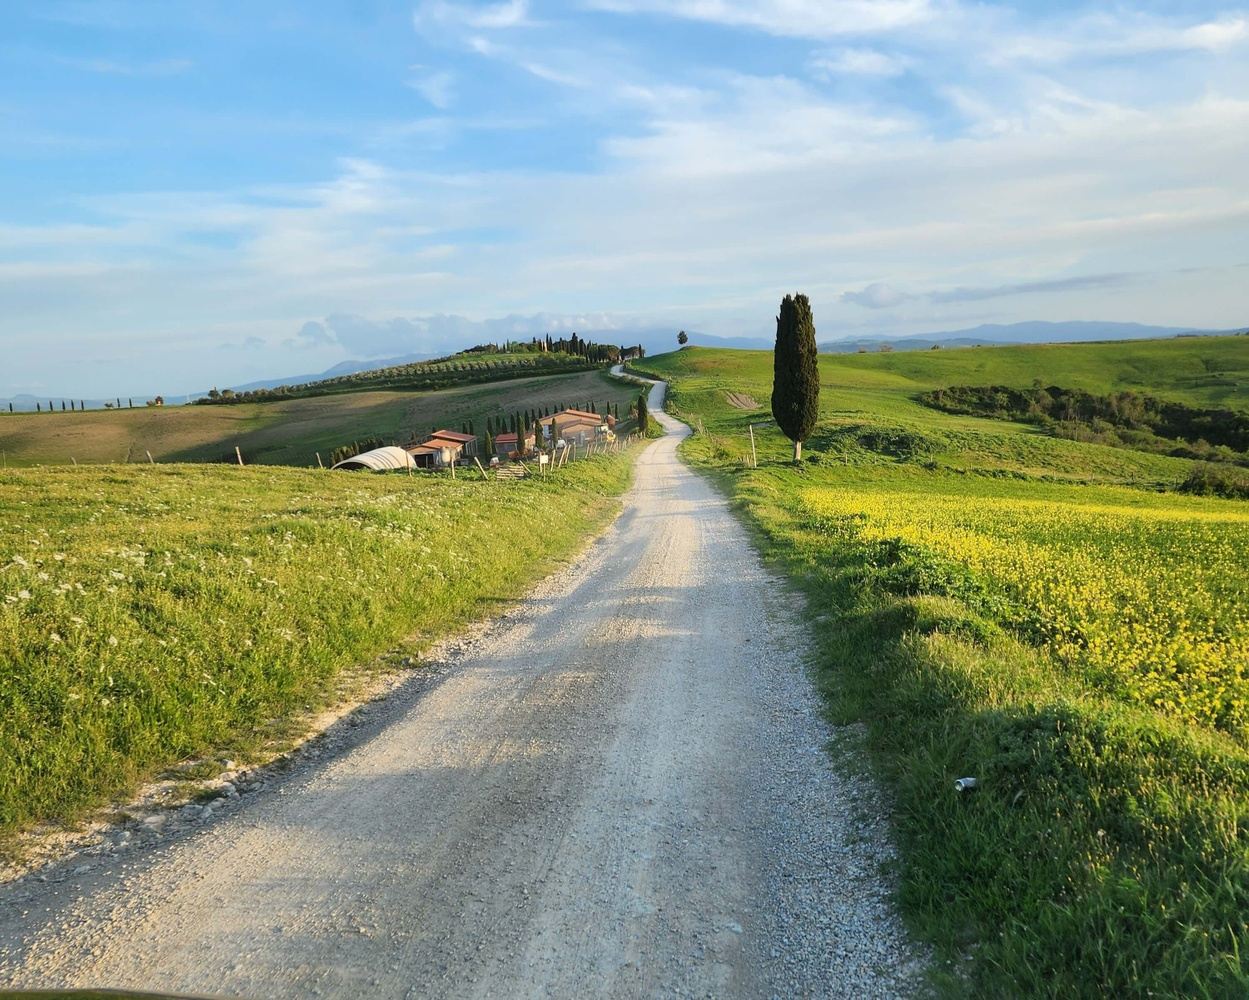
(796, 376)
(643, 416)
(683, 338)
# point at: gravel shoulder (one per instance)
(622, 788)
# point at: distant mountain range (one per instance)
(989, 334)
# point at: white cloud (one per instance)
(1115, 34)
(877, 295)
(117, 67)
(794, 18)
(437, 88)
(858, 62)
(752, 124)
(444, 14)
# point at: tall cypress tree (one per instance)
(643, 416)
(796, 376)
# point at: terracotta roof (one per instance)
(579, 413)
(454, 436)
(507, 438)
(440, 442)
(421, 449)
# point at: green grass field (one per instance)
(1045, 615)
(154, 613)
(285, 432)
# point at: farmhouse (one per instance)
(436, 453)
(576, 426)
(467, 442)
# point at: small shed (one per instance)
(506, 444)
(378, 460)
(425, 456)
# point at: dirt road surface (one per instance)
(622, 789)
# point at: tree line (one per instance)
(1126, 418)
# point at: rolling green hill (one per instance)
(1048, 615)
(284, 432)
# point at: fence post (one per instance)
(319, 462)
(481, 467)
(150, 459)
(238, 454)
(754, 458)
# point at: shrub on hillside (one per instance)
(1217, 480)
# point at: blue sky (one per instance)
(197, 193)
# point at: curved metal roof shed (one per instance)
(379, 460)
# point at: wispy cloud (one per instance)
(436, 87)
(880, 295)
(433, 14)
(858, 62)
(877, 295)
(1050, 287)
(139, 68)
(794, 18)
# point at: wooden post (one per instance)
(319, 462)
(452, 464)
(74, 460)
(481, 467)
(238, 454)
(754, 458)
(150, 459)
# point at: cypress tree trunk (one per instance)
(796, 376)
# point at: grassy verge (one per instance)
(149, 614)
(1037, 615)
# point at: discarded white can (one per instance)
(964, 784)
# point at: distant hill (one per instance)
(988, 334)
(342, 368)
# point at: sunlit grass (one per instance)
(151, 613)
(1045, 615)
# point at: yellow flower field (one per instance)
(1149, 603)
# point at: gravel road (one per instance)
(621, 788)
